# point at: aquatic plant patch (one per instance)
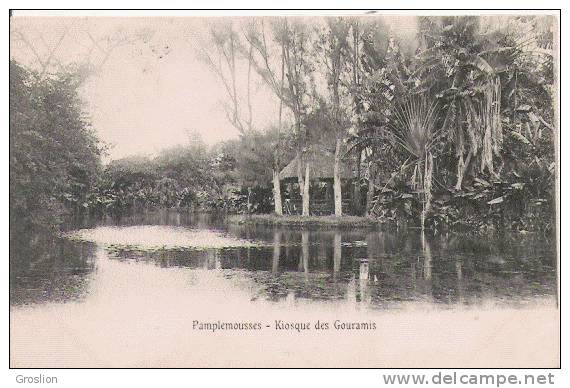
(159, 237)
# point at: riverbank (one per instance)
(321, 221)
(348, 222)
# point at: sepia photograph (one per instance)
(309, 189)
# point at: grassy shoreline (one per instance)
(333, 221)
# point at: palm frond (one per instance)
(414, 125)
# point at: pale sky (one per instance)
(152, 91)
(147, 95)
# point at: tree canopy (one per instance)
(454, 127)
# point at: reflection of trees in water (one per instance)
(363, 278)
(276, 251)
(49, 269)
(337, 253)
(372, 269)
(304, 262)
(159, 217)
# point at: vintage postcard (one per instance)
(284, 189)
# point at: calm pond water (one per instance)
(370, 268)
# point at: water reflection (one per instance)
(368, 268)
(47, 268)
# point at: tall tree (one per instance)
(368, 50)
(335, 56)
(222, 53)
(470, 66)
(293, 87)
(54, 153)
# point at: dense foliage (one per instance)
(232, 176)
(54, 153)
(56, 171)
(460, 131)
(454, 128)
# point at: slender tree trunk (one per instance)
(426, 250)
(300, 179)
(462, 166)
(248, 200)
(370, 193)
(427, 183)
(276, 177)
(277, 193)
(337, 182)
(357, 201)
(306, 190)
(250, 116)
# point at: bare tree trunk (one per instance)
(356, 196)
(337, 182)
(277, 193)
(306, 190)
(427, 184)
(276, 177)
(370, 193)
(249, 108)
(462, 166)
(300, 179)
(426, 251)
(225, 46)
(248, 200)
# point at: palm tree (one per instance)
(473, 64)
(414, 132)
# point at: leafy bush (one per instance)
(54, 153)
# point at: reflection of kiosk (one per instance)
(276, 251)
(337, 253)
(364, 274)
